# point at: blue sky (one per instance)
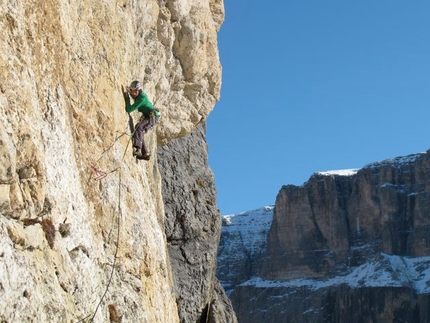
(312, 85)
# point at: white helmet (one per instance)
(135, 85)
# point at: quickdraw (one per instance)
(99, 174)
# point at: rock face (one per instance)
(81, 223)
(346, 247)
(336, 304)
(193, 228)
(325, 223)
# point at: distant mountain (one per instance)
(242, 244)
(346, 246)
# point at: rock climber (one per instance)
(148, 120)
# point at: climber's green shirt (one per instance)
(142, 104)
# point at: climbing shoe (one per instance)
(144, 157)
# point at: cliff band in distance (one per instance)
(346, 246)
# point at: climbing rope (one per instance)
(115, 257)
(99, 175)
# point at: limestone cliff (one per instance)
(346, 246)
(82, 224)
(325, 223)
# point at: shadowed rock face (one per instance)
(193, 225)
(340, 304)
(321, 225)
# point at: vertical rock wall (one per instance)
(81, 223)
(336, 220)
(193, 227)
(330, 305)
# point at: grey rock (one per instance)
(333, 304)
(193, 225)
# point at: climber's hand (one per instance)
(124, 92)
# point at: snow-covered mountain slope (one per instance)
(242, 244)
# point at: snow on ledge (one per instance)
(396, 161)
(340, 172)
(389, 271)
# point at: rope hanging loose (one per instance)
(99, 175)
(115, 257)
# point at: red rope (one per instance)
(99, 174)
